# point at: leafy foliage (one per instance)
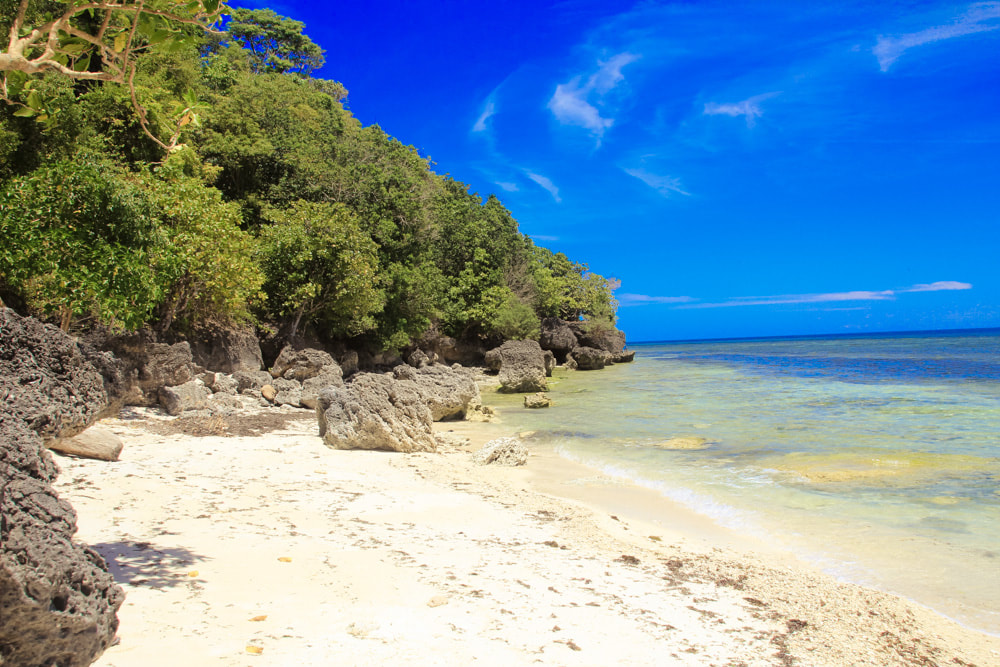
(276, 42)
(272, 201)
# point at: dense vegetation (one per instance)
(221, 182)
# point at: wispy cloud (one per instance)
(831, 297)
(939, 286)
(543, 237)
(488, 112)
(665, 185)
(545, 183)
(748, 108)
(571, 103)
(506, 186)
(979, 17)
(644, 299)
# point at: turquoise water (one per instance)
(876, 457)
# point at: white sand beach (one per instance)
(273, 549)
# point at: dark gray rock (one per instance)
(349, 362)
(493, 360)
(590, 358)
(58, 602)
(191, 395)
(300, 364)
(375, 411)
(522, 367)
(46, 380)
(599, 335)
(557, 337)
(226, 350)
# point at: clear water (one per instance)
(877, 457)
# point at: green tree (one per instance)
(276, 43)
(320, 268)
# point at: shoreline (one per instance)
(226, 545)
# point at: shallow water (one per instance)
(876, 457)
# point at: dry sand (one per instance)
(267, 548)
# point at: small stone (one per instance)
(437, 601)
(268, 391)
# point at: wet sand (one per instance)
(275, 550)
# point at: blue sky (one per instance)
(744, 169)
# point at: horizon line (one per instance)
(853, 334)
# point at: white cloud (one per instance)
(749, 108)
(939, 286)
(545, 183)
(643, 299)
(543, 237)
(665, 185)
(832, 297)
(509, 187)
(488, 112)
(976, 19)
(571, 102)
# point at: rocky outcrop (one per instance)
(58, 602)
(448, 392)
(48, 381)
(522, 367)
(251, 382)
(590, 358)
(600, 336)
(623, 357)
(558, 337)
(539, 400)
(154, 366)
(450, 351)
(502, 452)
(493, 360)
(375, 411)
(418, 359)
(301, 364)
(225, 349)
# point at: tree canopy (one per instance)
(272, 205)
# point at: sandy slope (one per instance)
(276, 550)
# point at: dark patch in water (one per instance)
(945, 525)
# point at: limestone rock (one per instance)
(558, 337)
(522, 367)
(269, 392)
(300, 364)
(590, 358)
(623, 357)
(191, 395)
(493, 360)
(251, 382)
(226, 349)
(287, 392)
(448, 393)
(222, 384)
(58, 602)
(375, 411)
(329, 376)
(162, 366)
(502, 452)
(539, 400)
(550, 362)
(94, 443)
(418, 358)
(600, 336)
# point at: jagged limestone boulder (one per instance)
(448, 392)
(191, 395)
(590, 358)
(375, 411)
(300, 364)
(522, 367)
(539, 400)
(58, 603)
(329, 376)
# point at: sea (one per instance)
(875, 457)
